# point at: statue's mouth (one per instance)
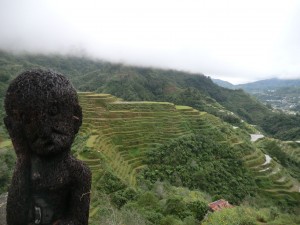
(48, 139)
(41, 142)
(58, 131)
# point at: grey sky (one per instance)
(233, 40)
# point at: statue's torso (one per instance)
(50, 185)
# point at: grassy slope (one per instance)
(117, 135)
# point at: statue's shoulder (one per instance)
(78, 169)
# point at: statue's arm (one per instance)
(18, 194)
(18, 203)
(78, 212)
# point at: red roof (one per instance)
(219, 204)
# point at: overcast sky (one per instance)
(234, 40)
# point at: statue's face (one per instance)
(45, 106)
(50, 130)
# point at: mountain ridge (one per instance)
(281, 94)
(161, 161)
(260, 84)
(149, 84)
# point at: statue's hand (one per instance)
(16, 133)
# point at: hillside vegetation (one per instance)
(161, 161)
(133, 147)
(150, 84)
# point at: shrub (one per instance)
(175, 206)
(170, 220)
(198, 208)
(199, 162)
(110, 183)
(232, 216)
(121, 197)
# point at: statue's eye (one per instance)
(26, 119)
(53, 110)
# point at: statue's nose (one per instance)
(44, 124)
(45, 131)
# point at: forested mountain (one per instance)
(270, 84)
(138, 83)
(261, 85)
(156, 162)
(278, 93)
(224, 84)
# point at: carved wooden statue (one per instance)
(49, 186)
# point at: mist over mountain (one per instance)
(273, 83)
(153, 84)
(161, 138)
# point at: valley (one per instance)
(280, 94)
(119, 134)
(163, 144)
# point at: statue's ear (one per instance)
(8, 123)
(77, 118)
(14, 126)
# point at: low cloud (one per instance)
(237, 41)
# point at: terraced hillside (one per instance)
(116, 135)
(272, 178)
(119, 133)
(123, 131)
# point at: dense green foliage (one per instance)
(181, 174)
(137, 83)
(282, 126)
(198, 162)
(7, 161)
(160, 203)
(234, 216)
(250, 216)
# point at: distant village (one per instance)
(288, 103)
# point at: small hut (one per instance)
(219, 205)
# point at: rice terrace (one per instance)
(163, 145)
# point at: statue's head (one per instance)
(45, 105)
